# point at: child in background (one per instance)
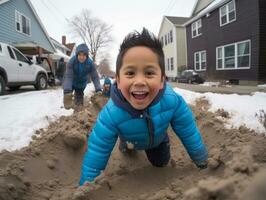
(107, 87)
(76, 77)
(140, 110)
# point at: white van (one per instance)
(17, 70)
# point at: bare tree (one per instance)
(104, 67)
(93, 31)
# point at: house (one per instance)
(21, 27)
(226, 40)
(71, 46)
(173, 37)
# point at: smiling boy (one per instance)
(140, 110)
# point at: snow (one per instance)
(243, 109)
(22, 114)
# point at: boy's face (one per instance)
(140, 77)
(82, 57)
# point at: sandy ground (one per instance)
(49, 168)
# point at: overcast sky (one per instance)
(124, 15)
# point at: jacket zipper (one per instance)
(150, 128)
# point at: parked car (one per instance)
(17, 70)
(190, 76)
(45, 64)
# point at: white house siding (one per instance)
(181, 46)
(169, 49)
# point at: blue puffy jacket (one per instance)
(76, 76)
(145, 129)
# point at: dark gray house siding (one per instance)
(262, 56)
(246, 27)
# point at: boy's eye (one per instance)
(129, 73)
(150, 73)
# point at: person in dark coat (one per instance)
(61, 70)
(76, 77)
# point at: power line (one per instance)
(50, 10)
(169, 6)
(172, 6)
(62, 14)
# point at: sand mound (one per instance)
(49, 168)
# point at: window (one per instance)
(227, 13)
(20, 57)
(0, 49)
(200, 61)
(165, 39)
(196, 28)
(233, 56)
(22, 23)
(171, 36)
(168, 64)
(11, 54)
(172, 64)
(162, 40)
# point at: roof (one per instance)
(177, 20)
(211, 7)
(59, 44)
(38, 20)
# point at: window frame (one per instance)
(18, 19)
(200, 61)
(226, 6)
(172, 63)
(235, 56)
(197, 27)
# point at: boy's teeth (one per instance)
(139, 92)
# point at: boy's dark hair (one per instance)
(146, 39)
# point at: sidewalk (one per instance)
(230, 89)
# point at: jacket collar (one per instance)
(120, 101)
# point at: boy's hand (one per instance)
(202, 164)
(68, 100)
(85, 184)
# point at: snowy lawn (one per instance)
(243, 109)
(22, 114)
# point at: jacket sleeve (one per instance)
(186, 129)
(101, 142)
(95, 77)
(68, 78)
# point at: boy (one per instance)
(76, 76)
(139, 111)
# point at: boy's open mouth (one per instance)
(139, 94)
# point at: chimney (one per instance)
(64, 40)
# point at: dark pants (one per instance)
(79, 95)
(160, 155)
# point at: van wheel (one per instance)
(41, 82)
(2, 85)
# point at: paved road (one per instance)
(239, 89)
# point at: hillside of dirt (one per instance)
(49, 168)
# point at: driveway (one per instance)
(229, 89)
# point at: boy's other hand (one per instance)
(202, 164)
(68, 100)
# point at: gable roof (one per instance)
(211, 7)
(202, 3)
(177, 20)
(59, 44)
(37, 18)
